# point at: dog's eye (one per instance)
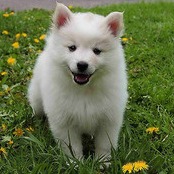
(96, 51)
(72, 48)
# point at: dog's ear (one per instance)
(115, 23)
(61, 15)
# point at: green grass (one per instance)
(150, 63)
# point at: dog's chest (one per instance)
(85, 111)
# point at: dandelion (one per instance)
(11, 13)
(6, 15)
(11, 61)
(140, 165)
(127, 168)
(17, 35)
(4, 127)
(15, 45)
(3, 151)
(7, 89)
(42, 37)
(1, 93)
(24, 34)
(36, 40)
(124, 39)
(4, 73)
(5, 32)
(70, 7)
(10, 142)
(18, 132)
(39, 51)
(135, 167)
(30, 129)
(151, 130)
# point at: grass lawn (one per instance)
(26, 144)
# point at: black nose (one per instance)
(82, 66)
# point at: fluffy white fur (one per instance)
(95, 108)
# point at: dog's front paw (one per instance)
(105, 162)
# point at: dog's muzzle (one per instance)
(82, 76)
(81, 79)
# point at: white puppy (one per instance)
(80, 80)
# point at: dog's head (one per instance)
(84, 41)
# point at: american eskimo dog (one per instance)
(79, 80)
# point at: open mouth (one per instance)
(81, 79)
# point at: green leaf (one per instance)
(6, 138)
(34, 139)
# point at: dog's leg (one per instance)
(70, 141)
(105, 138)
(34, 97)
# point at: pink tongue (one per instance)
(81, 78)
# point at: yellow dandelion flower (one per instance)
(7, 89)
(11, 13)
(4, 127)
(127, 168)
(6, 15)
(39, 51)
(140, 165)
(3, 151)
(18, 35)
(15, 45)
(24, 34)
(1, 93)
(11, 61)
(5, 32)
(30, 129)
(36, 40)
(124, 39)
(4, 73)
(18, 132)
(70, 7)
(151, 130)
(10, 142)
(42, 37)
